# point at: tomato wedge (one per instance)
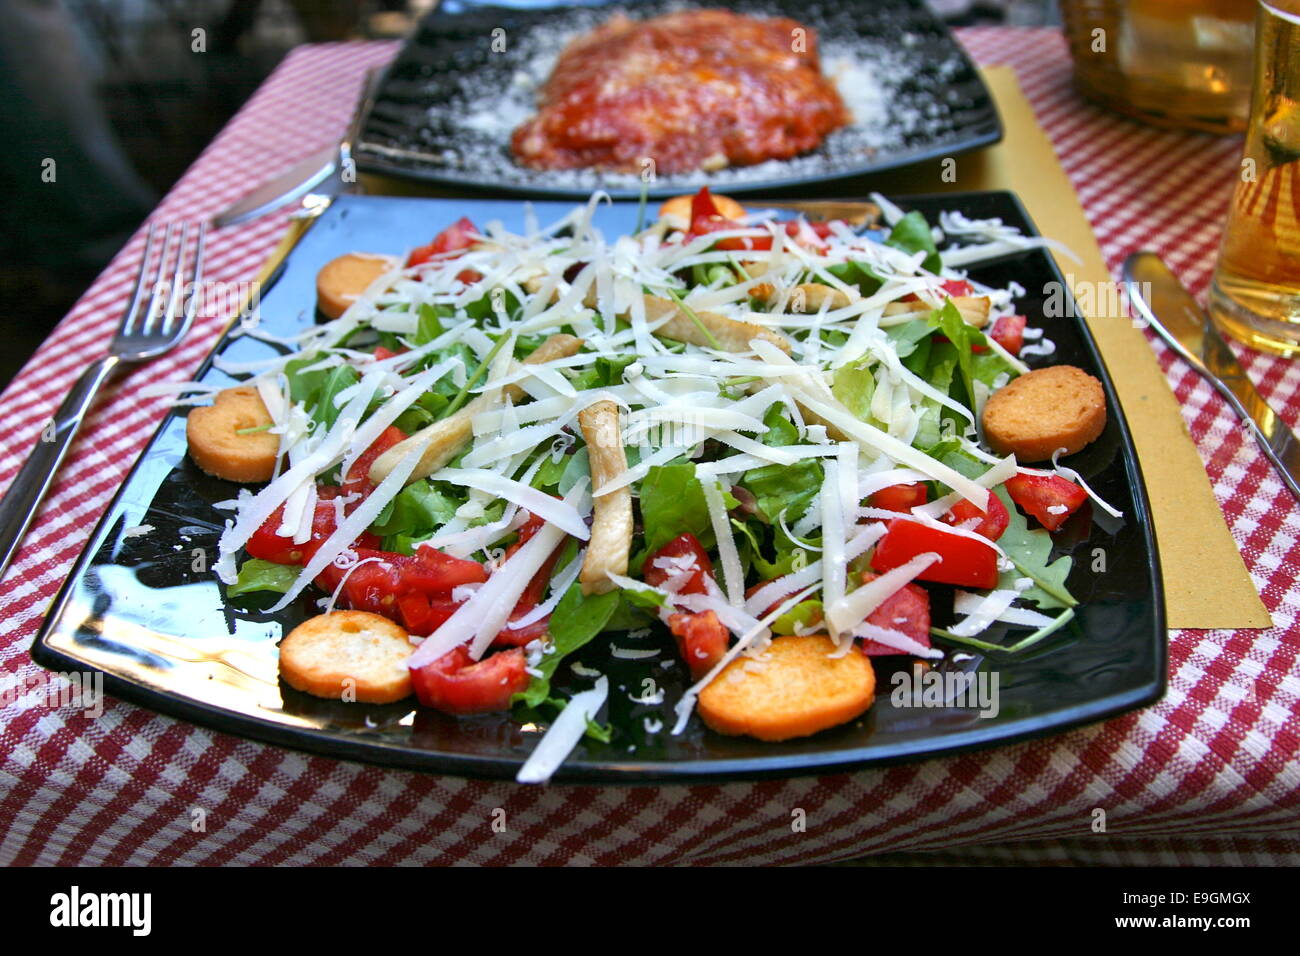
(702, 640)
(705, 219)
(991, 523)
(269, 545)
(1009, 332)
(965, 561)
(1049, 498)
(899, 497)
(358, 476)
(907, 611)
(457, 684)
(379, 584)
(457, 237)
(686, 555)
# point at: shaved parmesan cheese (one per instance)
(481, 618)
(845, 614)
(733, 575)
(564, 734)
(559, 513)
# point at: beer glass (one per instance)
(1255, 293)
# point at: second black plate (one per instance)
(469, 75)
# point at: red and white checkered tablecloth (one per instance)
(1211, 774)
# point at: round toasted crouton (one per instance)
(341, 280)
(348, 655)
(221, 439)
(1043, 410)
(795, 688)
(678, 210)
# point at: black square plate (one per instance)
(470, 73)
(142, 608)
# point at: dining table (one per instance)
(1208, 775)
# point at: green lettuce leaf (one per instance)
(672, 503)
(854, 385)
(912, 234)
(259, 575)
(575, 621)
(788, 488)
(1031, 551)
(419, 508)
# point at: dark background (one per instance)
(116, 95)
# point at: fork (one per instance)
(143, 334)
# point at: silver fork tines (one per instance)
(143, 334)
(148, 332)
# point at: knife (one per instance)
(320, 175)
(1156, 294)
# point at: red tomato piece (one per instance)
(457, 237)
(899, 497)
(965, 561)
(421, 614)
(266, 542)
(907, 611)
(457, 684)
(701, 640)
(957, 287)
(377, 585)
(1009, 332)
(1049, 498)
(991, 523)
(822, 230)
(689, 555)
(358, 476)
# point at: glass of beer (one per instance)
(1180, 63)
(1255, 293)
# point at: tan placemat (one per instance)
(1195, 544)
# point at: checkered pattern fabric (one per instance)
(1209, 775)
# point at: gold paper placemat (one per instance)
(1195, 544)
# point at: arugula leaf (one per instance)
(576, 467)
(575, 621)
(603, 373)
(259, 575)
(417, 508)
(912, 234)
(338, 379)
(857, 273)
(428, 325)
(798, 618)
(789, 554)
(304, 386)
(550, 472)
(788, 488)
(672, 503)
(962, 336)
(975, 366)
(1031, 550)
(906, 338)
(780, 430)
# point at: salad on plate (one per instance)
(772, 437)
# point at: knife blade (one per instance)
(296, 181)
(1156, 294)
(318, 176)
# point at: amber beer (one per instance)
(1181, 63)
(1255, 294)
